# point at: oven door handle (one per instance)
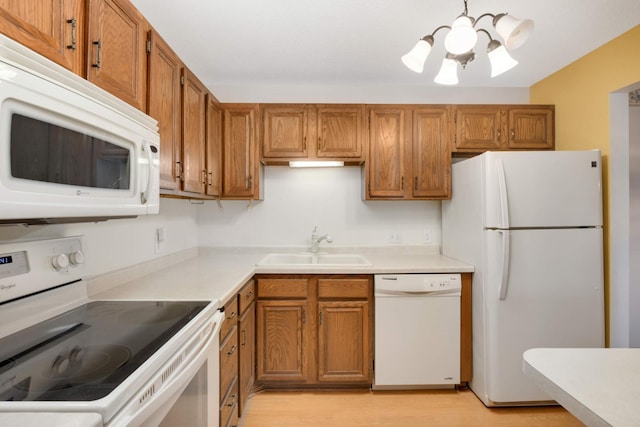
(147, 404)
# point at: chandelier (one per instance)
(462, 38)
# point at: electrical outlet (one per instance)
(395, 237)
(427, 236)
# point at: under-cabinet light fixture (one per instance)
(461, 40)
(315, 164)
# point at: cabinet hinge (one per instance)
(148, 47)
(182, 80)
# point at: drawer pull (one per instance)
(232, 315)
(98, 62)
(233, 350)
(74, 33)
(249, 294)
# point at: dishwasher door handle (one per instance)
(435, 292)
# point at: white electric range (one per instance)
(119, 363)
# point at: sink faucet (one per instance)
(316, 239)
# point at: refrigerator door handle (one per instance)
(504, 199)
(504, 277)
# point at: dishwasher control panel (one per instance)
(418, 283)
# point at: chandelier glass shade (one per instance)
(463, 37)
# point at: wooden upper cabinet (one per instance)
(117, 35)
(284, 131)
(504, 127)
(386, 163)
(341, 131)
(431, 153)
(409, 153)
(312, 131)
(53, 28)
(478, 127)
(532, 127)
(213, 147)
(163, 104)
(193, 175)
(240, 162)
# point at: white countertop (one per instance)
(600, 386)
(218, 273)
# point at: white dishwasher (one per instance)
(417, 331)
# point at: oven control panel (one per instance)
(33, 266)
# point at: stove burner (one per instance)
(156, 313)
(81, 366)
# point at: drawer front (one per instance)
(228, 361)
(344, 288)
(283, 288)
(230, 318)
(229, 407)
(246, 296)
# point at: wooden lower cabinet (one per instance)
(237, 354)
(314, 330)
(282, 341)
(343, 341)
(246, 344)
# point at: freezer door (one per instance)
(542, 189)
(553, 297)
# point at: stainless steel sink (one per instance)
(303, 259)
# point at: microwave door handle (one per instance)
(144, 196)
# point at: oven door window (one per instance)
(46, 152)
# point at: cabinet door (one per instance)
(247, 364)
(163, 104)
(284, 131)
(431, 154)
(478, 128)
(53, 28)
(117, 60)
(531, 128)
(214, 147)
(282, 333)
(386, 163)
(193, 133)
(240, 180)
(343, 341)
(340, 131)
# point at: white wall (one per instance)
(634, 223)
(120, 243)
(624, 222)
(295, 200)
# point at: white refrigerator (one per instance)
(531, 224)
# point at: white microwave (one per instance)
(70, 151)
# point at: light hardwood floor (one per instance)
(364, 408)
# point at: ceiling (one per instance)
(344, 42)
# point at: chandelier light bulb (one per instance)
(513, 31)
(462, 37)
(499, 58)
(414, 60)
(448, 74)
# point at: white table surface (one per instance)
(600, 386)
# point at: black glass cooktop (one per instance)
(85, 353)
